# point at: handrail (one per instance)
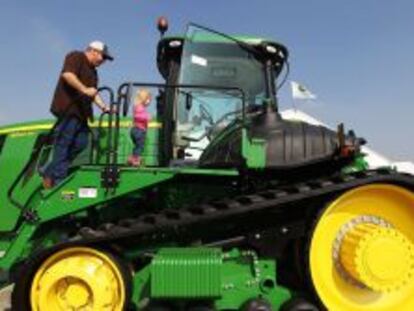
(37, 152)
(124, 90)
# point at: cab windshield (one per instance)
(210, 59)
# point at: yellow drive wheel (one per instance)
(361, 253)
(78, 278)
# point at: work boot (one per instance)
(47, 182)
(134, 160)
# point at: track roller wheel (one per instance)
(257, 305)
(75, 278)
(299, 304)
(361, 253)
(158, 306)
(200, 306)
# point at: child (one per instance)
(141, 118)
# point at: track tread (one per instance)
(168, 224)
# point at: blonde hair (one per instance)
(142, 96)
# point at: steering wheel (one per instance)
(211, 129)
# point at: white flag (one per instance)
(299, 91)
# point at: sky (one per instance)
(355, 55)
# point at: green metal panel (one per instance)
(151, 147)
(15, 153)
(246, 276)
(186, 273)
(10, 252)
(228, 279)
(254, 151)
(150, 153)
(69, 196)
(83, 189)
(26, 127)
(140, 287)
(359, 164)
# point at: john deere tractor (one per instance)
(233, 207)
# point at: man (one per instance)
(75, 92)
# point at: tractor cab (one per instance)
(228, 77)
(218, 108)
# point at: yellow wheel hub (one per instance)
(380, 258)
(362, 253)
(75, 294)
(78, 278)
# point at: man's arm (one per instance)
(92, 92)
(74, 82)
(100, 103)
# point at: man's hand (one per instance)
(105, 108)
(114, 109)
(90, 91)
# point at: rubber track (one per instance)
(170, 225)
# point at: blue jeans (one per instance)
(138, 138)
(70, 139)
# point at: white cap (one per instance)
(101, 47)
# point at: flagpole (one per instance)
(294, 108)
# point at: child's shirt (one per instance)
(141, 117)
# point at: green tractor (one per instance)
(234, 207)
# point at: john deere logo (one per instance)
(67, 195)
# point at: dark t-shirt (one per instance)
(67, 101)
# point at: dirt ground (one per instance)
(5, 298)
